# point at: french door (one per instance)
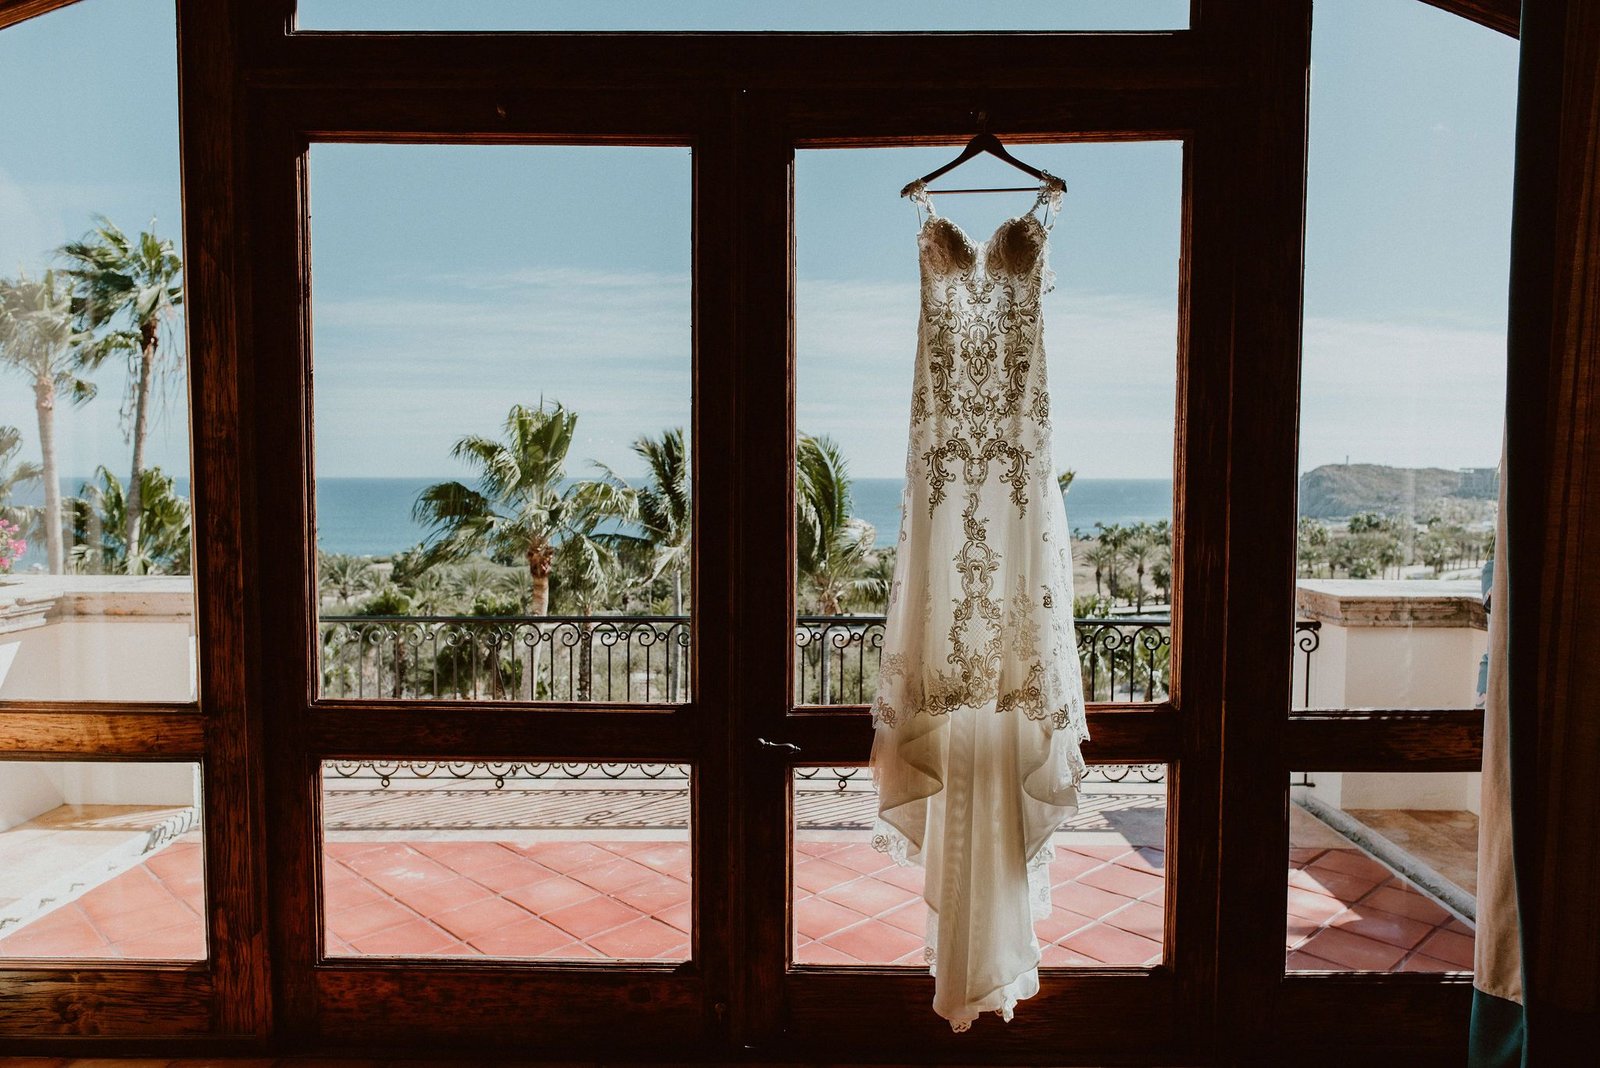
(747, 737)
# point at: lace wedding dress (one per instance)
(978, 715)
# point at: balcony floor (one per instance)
(603, 893)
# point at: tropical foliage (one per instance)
(99, 525)
(125, 291)
(521, 508)
(39, 340)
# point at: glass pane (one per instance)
(101, 861)
(1403, 390)
(1383, 871)
(94, 428)
(1110, 335)
(853, 905)
(731, 15)
(550, 861)
(502, 413)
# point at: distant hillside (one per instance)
(1334, 491)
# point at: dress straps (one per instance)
(1051, 190)
(918, 192)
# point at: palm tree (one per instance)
(833, 544)
(38, 339)
(127, 289)
(100, 515)
(1140, 545)
(1161, 569)
(1110, 544)
(662, 513)
(659, 512)
(345, 577)
(519, 509)
(14, 474)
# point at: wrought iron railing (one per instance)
(629, 659)
(502, 774)
(1124, 658)
(617, 659)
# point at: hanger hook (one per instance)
(983, 121)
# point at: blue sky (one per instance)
(451, 281)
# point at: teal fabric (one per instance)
(1499, 1033)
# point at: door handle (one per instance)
(790, 746)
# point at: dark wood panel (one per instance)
(1499, 15)
(70, 1000)
(1432, 739)
(478, 731)
(1552, 542)
(1410, 1019)
(716, 782)
(546, 1012)
(868, 118)
(15, 11)
(765, 552)
(275, 214)
(226, 535)
(1264, 157)
(1076, 1018)
(1200, 441)
(498, 113)
(735, 61)
(131, 733)
(1118, 734)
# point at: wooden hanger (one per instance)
(984, 142)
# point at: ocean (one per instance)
(372, 516)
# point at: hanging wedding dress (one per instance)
(978, 716)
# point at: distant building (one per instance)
(1480, 482)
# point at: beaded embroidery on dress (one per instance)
(978, 717)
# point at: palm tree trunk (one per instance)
(141, 431)
(539, 605)
(672, 643)
(44, 399)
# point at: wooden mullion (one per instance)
(764, 590)
(1136, 735)
(45, 734)
(877, 117)
(276, 216)
(1433, 739)
(489, 115)
(1265, 195)
(487, 733)
(216, 303)
(674, 62)
(1205, 336)
(717, 779)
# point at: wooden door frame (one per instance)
(242, 69)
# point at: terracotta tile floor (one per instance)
(1347, 912)
(614, 900)
(630, 899)
(152, 910)
(853, 905)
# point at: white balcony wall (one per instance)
(32, 788)
(96, 638)
(1394, 644)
